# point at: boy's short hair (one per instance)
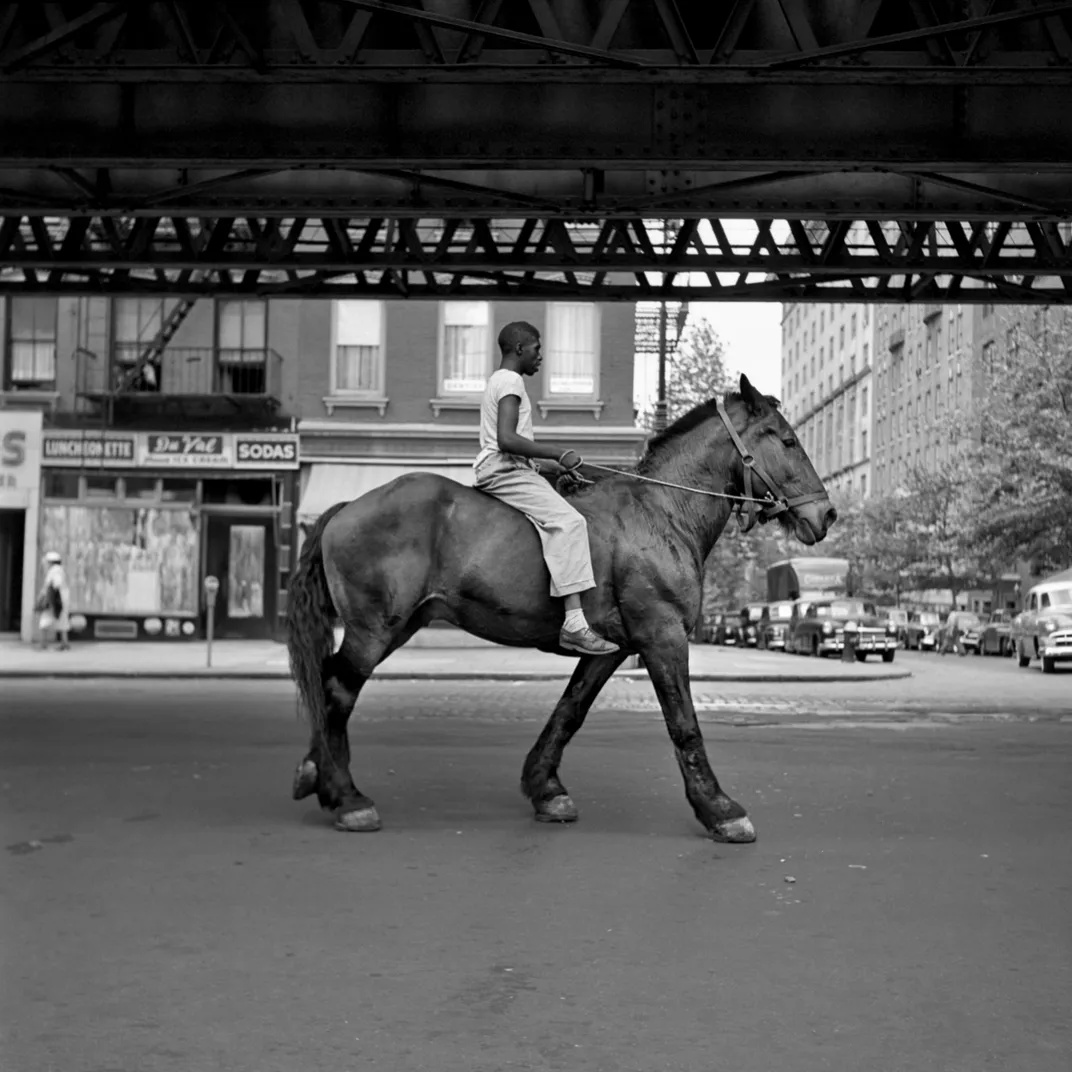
(520, 331)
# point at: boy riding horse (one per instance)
(506, 467)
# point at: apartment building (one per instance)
(828, 353)
(155, 442)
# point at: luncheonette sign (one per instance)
(84, 449)
(172, 450)
(20, 457)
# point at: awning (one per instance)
(330, 482)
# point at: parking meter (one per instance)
(848, 648)
(212, 588)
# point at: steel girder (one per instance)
(627, 259)
(580, 111)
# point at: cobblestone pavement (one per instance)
(168, 907)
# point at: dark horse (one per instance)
(424, 547)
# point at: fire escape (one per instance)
(151, 382)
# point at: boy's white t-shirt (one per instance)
(503, 382)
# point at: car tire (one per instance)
(887, 656)
(861, 656)
(1049, 664)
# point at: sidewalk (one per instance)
(431, 655)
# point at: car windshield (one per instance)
(783, 611)
(1061, 597)
(929, 619)
(969, 620)
(845, 608)
(754, 611)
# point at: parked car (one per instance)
(1043, 629)
(720, 627)
(748, 624)
(774, 625)
(921, 631)
(896, 617)
(819, 627)
(969, 625)
(995, 636)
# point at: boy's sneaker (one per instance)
(585, 641)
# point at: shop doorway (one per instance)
(12, 546)
(240, 552)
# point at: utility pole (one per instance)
(661, 414)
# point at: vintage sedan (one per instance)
(921, 632)
(748, 624)
(774, 625)
(1043, 630)
(819, 626)
(897, 617)
(720, 627)
(967, 622)
(995, 636)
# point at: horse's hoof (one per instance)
(358, 822)
(560, 809)
(738, 831)
(304, 780)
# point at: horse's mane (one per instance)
(657, 444)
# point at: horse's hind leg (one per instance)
(539, 777)
(325, 770)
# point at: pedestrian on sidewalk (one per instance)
(54, 603)
(954, 631)
(507, 468)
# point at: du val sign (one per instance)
(186, 450)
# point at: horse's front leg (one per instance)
(539, 777)
(667, 661)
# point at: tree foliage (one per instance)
(1021, 485)
(697, 371)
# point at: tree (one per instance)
(893, 546)
(938, 515)
(696, 372)
(1021, 483)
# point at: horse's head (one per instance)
(781, 462)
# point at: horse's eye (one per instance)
(789, 441)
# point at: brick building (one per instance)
(170, 440)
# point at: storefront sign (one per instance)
(186, 450)
(266, 451)
(81, 449)
(172, 450)
(20, 458)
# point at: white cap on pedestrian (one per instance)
(53, 556)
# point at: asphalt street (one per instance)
(166, 906)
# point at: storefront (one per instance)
(20, 482)
(142, 518)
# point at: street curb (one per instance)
(432, 675)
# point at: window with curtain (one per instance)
(572, 346)
(242, 332)
(33, 344)
(465, 347)
(358, 347)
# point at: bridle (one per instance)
(764, 509)
(772, 504)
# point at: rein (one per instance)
(770, 506)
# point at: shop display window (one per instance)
(125, 560)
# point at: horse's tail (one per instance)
(311, 622)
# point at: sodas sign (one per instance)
(266, 452)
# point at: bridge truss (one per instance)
(889, 150)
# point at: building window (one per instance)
(863, 445)
(138, 321)
(863, 400)
(863, 486)
(841, 337)
(358, 348)
(572, 346)
(242, 327)
(32, 364)
(465, 347)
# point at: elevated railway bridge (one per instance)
(880, 150)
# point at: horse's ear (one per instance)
(755, 402)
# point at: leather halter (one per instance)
(772, 504)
